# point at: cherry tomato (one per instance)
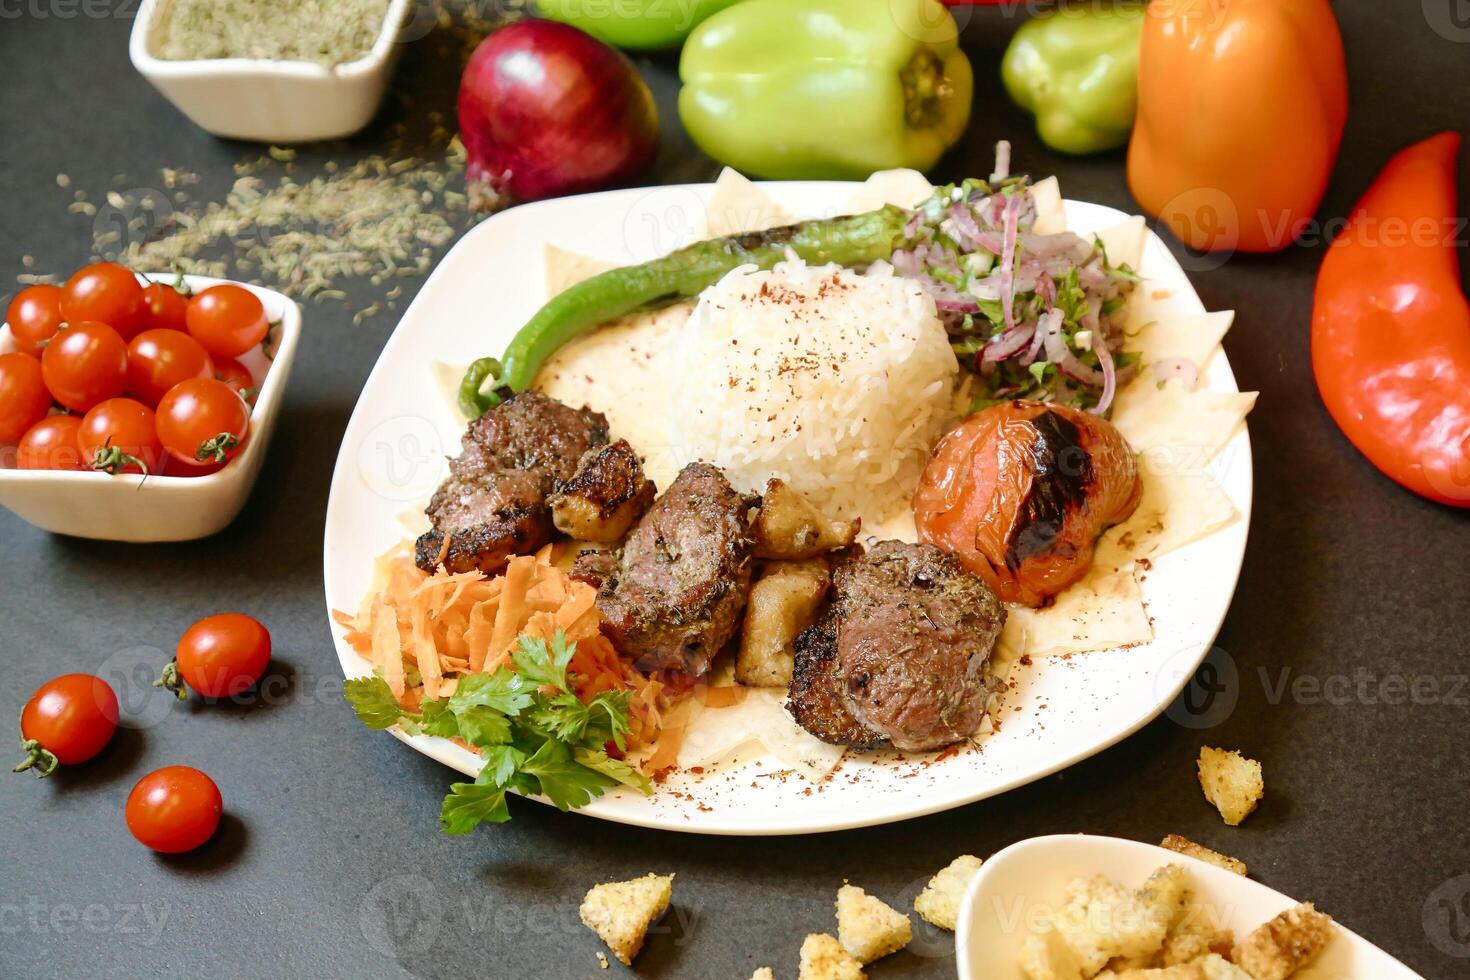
(174, 809)
(120, 436)
(24, 400)
(227, 319)
(34, 316)
(202, 420)
(51, 445)
(67, 721)
(219, 656)
(237, 376)
(165, 306)
(159, 359)
(108, 293)
(187, 470)
(84, 364)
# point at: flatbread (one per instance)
(1101, 612)
(1194, 338)
(563, 268)
(737, 205)
(904, 188)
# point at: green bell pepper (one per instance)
(1076, 70)
(810, 89)
(638, 25)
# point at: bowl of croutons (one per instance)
(1088, 907)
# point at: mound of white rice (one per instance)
(836, 382)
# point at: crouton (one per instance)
(1284, 945)
(823, 958)
(1212, 967)
(790, 526)
(1046, 956)
(1231, 782)
(1102, 921)
(620, 912)
(783, 602)
(939, 902)
(1195, 934)
(868, 928)
(764, 973)
(1183, 845)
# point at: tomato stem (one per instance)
(112, 460)
(215, 450)
(170, 679)
(37, 758)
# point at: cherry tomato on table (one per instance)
(51, 444)
(106, 292)
(202, 421)
(159, 359)
(84, 364)
(24, 400)
(227, 319)
(67, 721)
(174, 809)
(165, 306)
(237, 376)
(119, 436)
(219, 656)
(34, 316)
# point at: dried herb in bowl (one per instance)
(327, 32)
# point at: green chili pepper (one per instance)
(1076, 70)
(810, 89)
(855, 240)
(638, 25)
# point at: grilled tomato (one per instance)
(1020, 492)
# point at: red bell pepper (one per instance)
(1391, 326)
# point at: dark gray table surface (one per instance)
(330, 863)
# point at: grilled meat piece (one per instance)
(675, 596)
(604, 497)
(817, 698)
(914, 632)
(493, 505)
(1020, 492)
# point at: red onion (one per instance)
(1009, 343)
(1177, 367)
(1109, 372)
(1008, 264)
(545, 109)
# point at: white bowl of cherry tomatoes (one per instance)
(139, 410)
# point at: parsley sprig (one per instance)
(536, 735)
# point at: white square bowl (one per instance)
(132, 507)
(264, 100)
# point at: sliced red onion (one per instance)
(1007, 344)
(965, 224)
(1060, 354)
(1050, 323)
(1177, 367)
(1109, 373)
(906, 263)
(1008, 265)
(960, 305)
(1002, 161)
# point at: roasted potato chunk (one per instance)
(788, 526)
(606, 495)
(783, 602)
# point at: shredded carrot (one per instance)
(446, 625)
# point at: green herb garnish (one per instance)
(536, 735)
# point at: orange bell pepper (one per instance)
(1241, 105)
